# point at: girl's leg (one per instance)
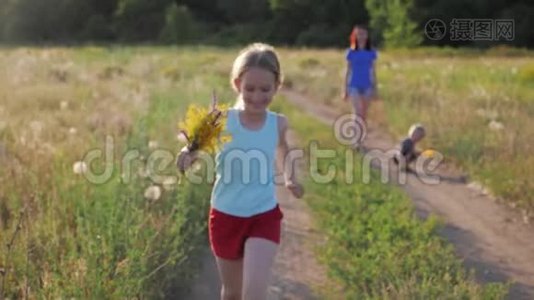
(259, 258)
(364, 106)
(231, 274)
(360, 105)
(356, 100)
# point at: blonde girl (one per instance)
(245, 219)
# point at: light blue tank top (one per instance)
(244, 183)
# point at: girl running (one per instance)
(245, 219)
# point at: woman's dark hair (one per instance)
(353, 38)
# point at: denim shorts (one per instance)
(359, 92)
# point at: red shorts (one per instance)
(228, 233)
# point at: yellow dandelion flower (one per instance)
(428, 153)
(203, 128)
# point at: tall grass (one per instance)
(62, 236)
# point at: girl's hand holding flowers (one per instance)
(185, 159)
(203, 131)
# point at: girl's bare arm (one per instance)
(287, 160)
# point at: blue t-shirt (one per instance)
(361, 65)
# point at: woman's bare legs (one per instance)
(231, 274)
(258, 261)
(360, 105)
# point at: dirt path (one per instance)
(488, 236)
(296, 272)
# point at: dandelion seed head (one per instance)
(153, 193)
(495, 125)
(79, 167)
(152, 145)
(63, 105)
(169, 183)
(196, 167)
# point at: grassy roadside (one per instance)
(477, 106)
(376, 247)
(62, 236)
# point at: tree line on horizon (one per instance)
(393, 23)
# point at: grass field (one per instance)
(377, 248)
(63, 236)
(478, 107)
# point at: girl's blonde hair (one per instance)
(257, 55)
(416, 128)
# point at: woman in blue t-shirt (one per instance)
(360, 78)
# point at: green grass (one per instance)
(377, 248)
(476, 105)
(62, 236)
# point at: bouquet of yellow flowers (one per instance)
(203, 128)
